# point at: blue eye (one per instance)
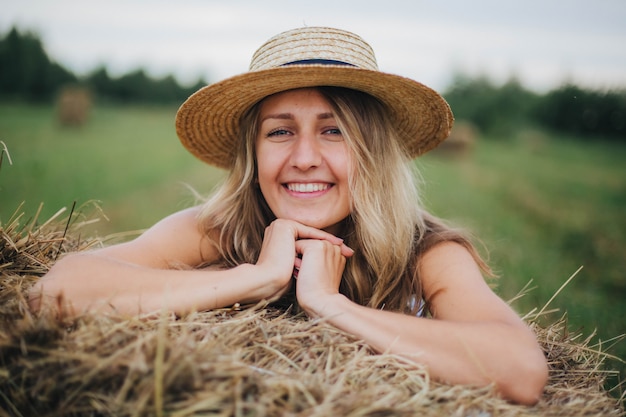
(278, 132)
(333, 134)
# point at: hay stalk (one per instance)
(239, 362)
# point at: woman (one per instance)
(319, 205)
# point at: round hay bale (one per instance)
(461, 141)
(73, 106)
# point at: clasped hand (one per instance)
(317, 257)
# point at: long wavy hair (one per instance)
(387, 227)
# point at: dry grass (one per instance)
(254, 362)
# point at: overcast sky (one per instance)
(542, 42)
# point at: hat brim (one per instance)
(207, 123)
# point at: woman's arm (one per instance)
(145, 275)
(474, 338)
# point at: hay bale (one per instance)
(254, 362)
(461, 141)
(73, 106)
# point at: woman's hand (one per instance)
(279, 251)
(319, 273)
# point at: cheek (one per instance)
(343, 163)
(267, 166)
(261, 159)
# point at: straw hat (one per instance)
(208, 122)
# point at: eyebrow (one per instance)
(289, 116)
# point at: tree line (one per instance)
(27, 73)
(570, 109)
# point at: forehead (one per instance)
(294, 100)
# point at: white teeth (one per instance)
(307, 188)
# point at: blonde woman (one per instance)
(319, 211)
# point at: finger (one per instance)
(316, 248)
(307, 232)
(346, 250)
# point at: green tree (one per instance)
(495, 110)
(585, 113)
(25, 69)
(27, 73)
(99, 80)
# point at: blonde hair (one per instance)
(387, 227)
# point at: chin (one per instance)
(330, 226)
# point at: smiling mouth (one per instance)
(307, 187)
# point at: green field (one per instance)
(127, 159)
(542, 206)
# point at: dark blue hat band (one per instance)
(318, 61)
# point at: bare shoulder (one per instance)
(456, 289)
(447, 262)
(174, 241)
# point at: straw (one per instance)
(208, 122)
(257, 361)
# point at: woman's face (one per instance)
(302, 158)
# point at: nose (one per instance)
(306, 152)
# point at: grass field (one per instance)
(542, 206)
(128, 160)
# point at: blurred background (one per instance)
(534, 168)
